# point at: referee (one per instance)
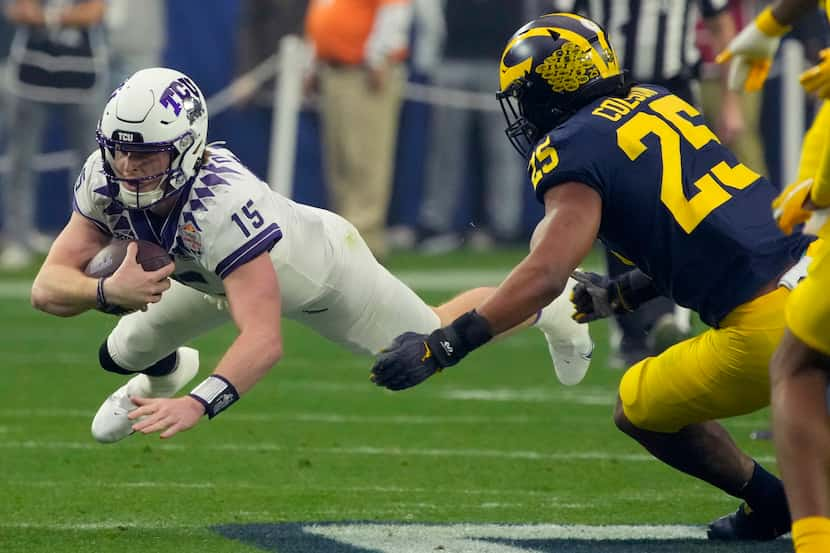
(655, 41)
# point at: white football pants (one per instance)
(363, 308)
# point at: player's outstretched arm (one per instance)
(562, 239)
(61, 287)
(253, 293)
(254, 296)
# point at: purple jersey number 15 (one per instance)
(252, 216)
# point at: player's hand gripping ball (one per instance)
(150, 256)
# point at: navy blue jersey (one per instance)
(675, 202)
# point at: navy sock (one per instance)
(160, 368)
(765, 494)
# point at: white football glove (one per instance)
(751, 52)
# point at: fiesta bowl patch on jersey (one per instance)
(191, 238)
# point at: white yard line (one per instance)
(649, 496)
(310, 417)
(338, 418)
(94, 526)
(367, 450)
(391, 534)
(525, 531)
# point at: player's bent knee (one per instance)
(641, 407)
(621, 420)
(149, 366)
(631, 412)
(108, 363)
(130, 353)
(138, 341)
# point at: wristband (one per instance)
(630, 290)
(216, 394)
(101, 303)
(451, 343)
(770, 26)
(100, 298)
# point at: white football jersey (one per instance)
(223, 219)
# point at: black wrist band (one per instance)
(632, 289)
(216, 394)
(101, 303)
(450, 344)
(473, 329)
(100, 298)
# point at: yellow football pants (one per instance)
(720, 373)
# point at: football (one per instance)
(151, 257)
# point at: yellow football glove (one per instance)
(751, 52)
(788, 208)
(817, 79)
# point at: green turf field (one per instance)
(492, 456)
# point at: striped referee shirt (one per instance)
(654, 39)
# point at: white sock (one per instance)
(166, 385)
(555, 318)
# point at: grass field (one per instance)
(492, 456)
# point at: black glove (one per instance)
(596, 296)
(590, 297)
(413, 357)
(407, 362)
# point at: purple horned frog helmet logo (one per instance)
(182, 94)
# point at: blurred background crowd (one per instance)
(397, 126)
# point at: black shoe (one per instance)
(745, 525)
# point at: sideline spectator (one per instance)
(57, 66)
(360, 47)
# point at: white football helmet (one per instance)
(155, 110)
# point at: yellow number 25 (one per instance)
(711, 193)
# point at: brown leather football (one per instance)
(151, 257)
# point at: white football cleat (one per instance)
(569, 342)
(111, 423)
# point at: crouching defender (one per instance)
(638, 168)
(234, 241)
